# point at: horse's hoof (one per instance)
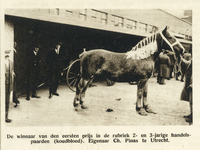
(75, 103)
(84, 107)
(149, 110)
(142, 112)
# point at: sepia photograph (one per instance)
(124, 67)
(98, 78)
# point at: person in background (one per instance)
(15, 99)
(54, 67)
(186, 94)
(187, 56)
(8, 83)
(33, 68)
(164, 63)
(172, 58)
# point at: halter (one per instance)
(173, 44)
(179, 67)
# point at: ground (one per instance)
(121, 98)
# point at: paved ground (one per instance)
(59, 111)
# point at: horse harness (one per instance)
(171, 45)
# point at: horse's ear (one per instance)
(165, 30)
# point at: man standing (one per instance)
(186, 94)
(33, 67)
(172, 58)
(164, 63)
(8, 83)
(188, 57)
(54, 67)
(15, 99)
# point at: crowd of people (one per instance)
(167, 66)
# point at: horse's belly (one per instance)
(126, 76)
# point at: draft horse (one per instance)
(136, 65)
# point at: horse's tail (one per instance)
(81, 55)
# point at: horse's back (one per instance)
(98, 59)
(114, 66)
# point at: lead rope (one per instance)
(179, 67)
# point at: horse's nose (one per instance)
(183, 50)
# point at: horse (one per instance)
(136, 65)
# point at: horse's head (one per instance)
(169, 41)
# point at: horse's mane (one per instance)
(143, 49)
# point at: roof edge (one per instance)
(175, 16)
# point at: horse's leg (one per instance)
(176, 73)
(139, 107)
(170, 72)
(145, 104)
(182, 77)
(145, 89)
(82, 94)
(79, 87)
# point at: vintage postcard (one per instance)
(99, 75)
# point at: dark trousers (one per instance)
(32, 82)
(7, 100)
(54, 78)
(171, 71)
(14, 92)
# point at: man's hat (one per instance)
(38, 45)
(59, 43)
(7, 56)
(7, 52)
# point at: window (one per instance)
(131, 24)
(117, 21)
(98, 16)
(150, 29)
(57, 11)
(120, 22)
(68, 13)
(104, 18)
(143, 27)
(155, 29)
(82, 14)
